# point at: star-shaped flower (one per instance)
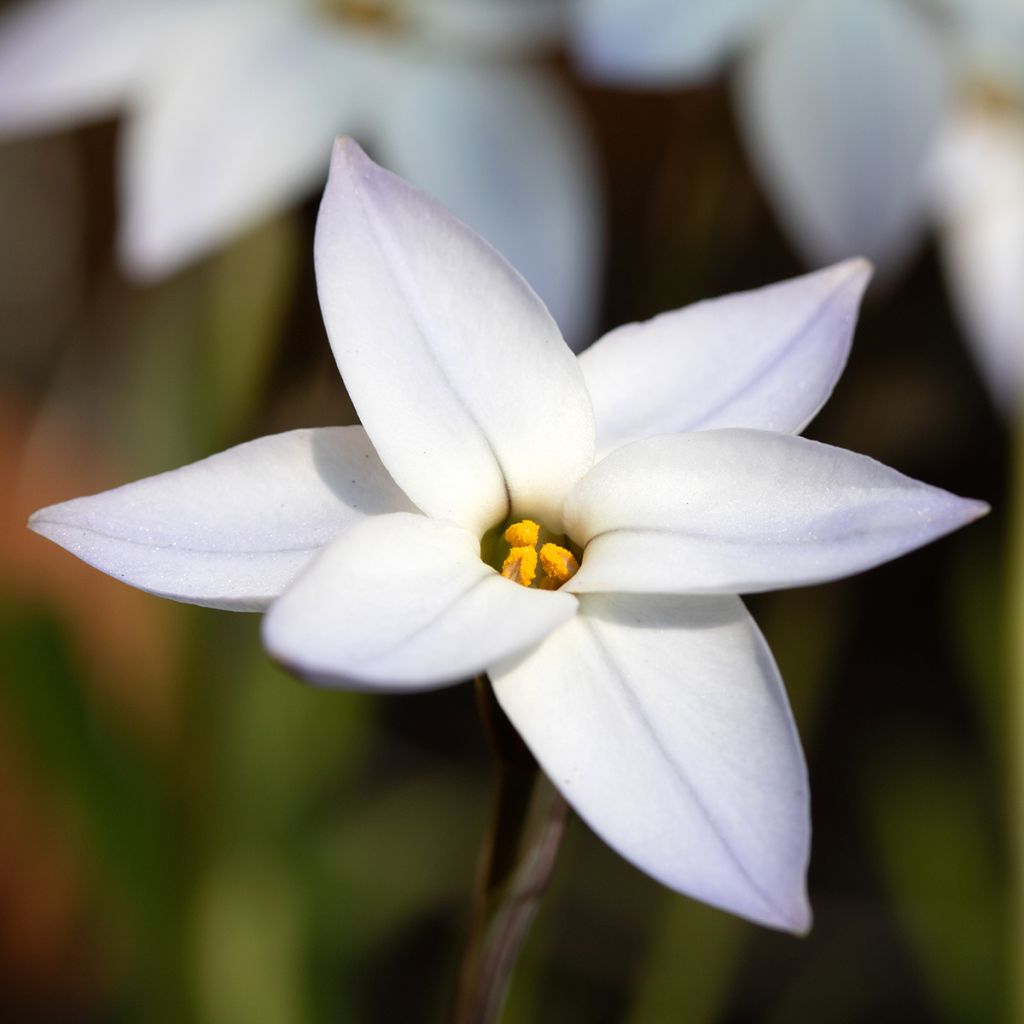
(403, 554)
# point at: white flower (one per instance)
(232, 107)
(639, 681)
(867, 121)
(978, 193)
(979, 199)
(839, 102)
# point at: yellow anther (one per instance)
(522, 534)
(521, 565)
(559, 564)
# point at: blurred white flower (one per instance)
(840, 102)
(867, 121)
(632, 670)
(232, 107)
(978, 193)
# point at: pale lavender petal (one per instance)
(503, 147)
(403, 602)
(664, 723)
(459, 374)
(766, 359)
(62, 61)
(738, 511)
(236, 122)
(233, 530)
(662, 42)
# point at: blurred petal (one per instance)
(65, 60)
(989, 36)
(664, 723)
(979, 189)
(236, 121)
(459, 374)
(738, 511)
(840, 103)
(233, 530)
(662, 42)
(765, 359)
(489, 27)
(403, 602)
(503, 148)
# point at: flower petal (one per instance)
(235, 122)
(738, 511)
(664, 723)
(488, 27)
(840, 103)
(661, 42)
(403, 602)
(979, 191)
(233, 530)
(456, 128)
(65, 60)
(766, 359)
(460, 376)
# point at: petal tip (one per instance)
(347, 154)
(800, 927)
(36, 523)
(958, 512)
(859, 267)
(854, 273)
(974, 509)
(44, 522)
(800, 919)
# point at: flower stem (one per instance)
(516, 862)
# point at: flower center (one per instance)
(557, 563)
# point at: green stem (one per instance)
(516, 862)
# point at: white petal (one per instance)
(233, 530)
(457, 370)
(989, 40)
(236, 121)
(662, 42)
(766, 359)
(485, 28)
(840, 104)
(738, 511)
(403, 602)
(64, 60)
(664, 723)
(979, 181)
(457, 129)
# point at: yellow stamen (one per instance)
(559, 564)
(522, 534)
(521, 564)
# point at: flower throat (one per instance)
(557, 564)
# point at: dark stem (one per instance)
(516, 862)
